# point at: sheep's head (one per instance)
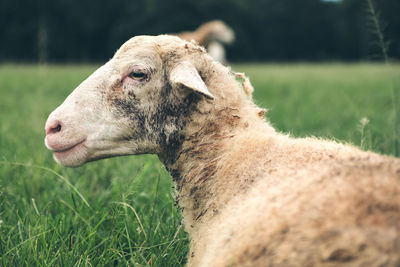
(133, 104)
(220, 32)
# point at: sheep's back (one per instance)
(336, 210)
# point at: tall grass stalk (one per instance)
(377, 29)
(363, 124)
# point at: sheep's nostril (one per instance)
(56, 129)
(53, 128)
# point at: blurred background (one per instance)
(266, 30)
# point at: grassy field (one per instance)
(121, 211)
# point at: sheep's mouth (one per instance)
(70, 148)
(71, 155)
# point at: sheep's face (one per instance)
(133, 104)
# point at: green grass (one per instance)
(121, 211)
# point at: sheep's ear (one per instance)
(186, 75)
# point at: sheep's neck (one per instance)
(194, 164)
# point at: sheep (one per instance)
(250, 196)
(212, 35)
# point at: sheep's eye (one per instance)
(137, 75)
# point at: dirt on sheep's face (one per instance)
(131, 105)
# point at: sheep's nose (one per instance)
(53, 127)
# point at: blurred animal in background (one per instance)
(213, 35)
